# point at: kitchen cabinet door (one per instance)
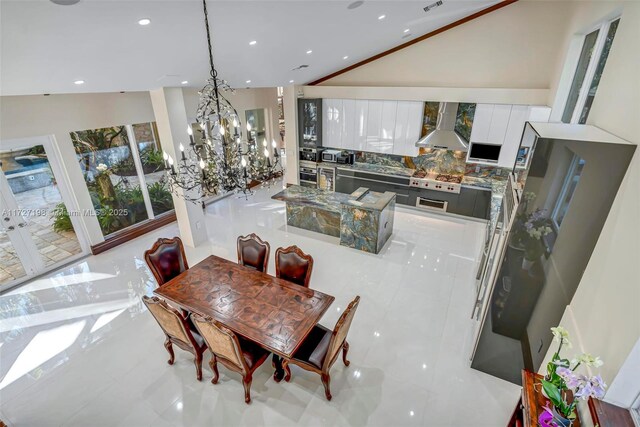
(348, 124)
(389, 109)
(360, 125)
(499, 123)
(482, 123)
(509, 151)
(539, 113)
(481, 208)
(465, 203)
(407, 129)
(399, 137)
(374, 126)
(332, 113)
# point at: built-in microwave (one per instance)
(330, 156)
(485, 153)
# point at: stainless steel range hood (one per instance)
(444, 137)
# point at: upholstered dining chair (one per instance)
(319, 351)
(237, 354)
(253, 252)
(294, 265)
(166, 259)
(177, 331)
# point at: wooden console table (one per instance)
(531, 403)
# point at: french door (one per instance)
(39, 226)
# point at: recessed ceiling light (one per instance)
(381, 17)
(185, 82)
(309, 52)
(252, 42)
(144, 21)
(79, 82)
(248, 81)
(345, 57)
(290, 81)
(407, 30)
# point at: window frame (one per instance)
(571, 171)
(603, 31)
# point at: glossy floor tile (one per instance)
(78, 348)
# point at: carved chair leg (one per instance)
(214, 367)
(345, 350)
(246, 383)
(326, 379)
(169, 347)
(287, 370)
(198, 362)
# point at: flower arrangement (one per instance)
(532, 228)
(562, 377)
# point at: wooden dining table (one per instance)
(272, 312)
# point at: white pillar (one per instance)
(290, 105)
(171, 119)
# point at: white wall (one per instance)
(514, 47)
(606, 318)
(58, 115)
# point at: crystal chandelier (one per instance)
(216, 162)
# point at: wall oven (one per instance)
(432, 204)
(308, 176)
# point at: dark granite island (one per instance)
(362, 220)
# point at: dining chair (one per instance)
(236, 353)
(253, 252)
(294, 265)
(319, 351)
(177, 331)
(166, 259)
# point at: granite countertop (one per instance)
(332, 201)
(371, 200)
(326, 200)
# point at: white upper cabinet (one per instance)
(520, 114)
(482, 123)
(407, 129)
(509, 151)
(347, 125)
(387, 130)
(539, 114)
(332, 117)
(361, 112)
(374, 126)
(499, 123)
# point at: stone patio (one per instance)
(53, 246)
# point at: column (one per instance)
(172, 121)
(290, 104)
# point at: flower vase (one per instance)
(560, 420)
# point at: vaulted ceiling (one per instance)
(46, 47)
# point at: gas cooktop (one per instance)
(439, 182)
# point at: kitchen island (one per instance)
(362, 220)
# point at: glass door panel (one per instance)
(37, 230)
(11, 268)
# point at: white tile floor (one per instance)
(78, 347)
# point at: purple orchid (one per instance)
(545, 419)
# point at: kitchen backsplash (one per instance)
(430, 160)
(433, 161)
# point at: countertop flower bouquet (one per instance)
(562, 377)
